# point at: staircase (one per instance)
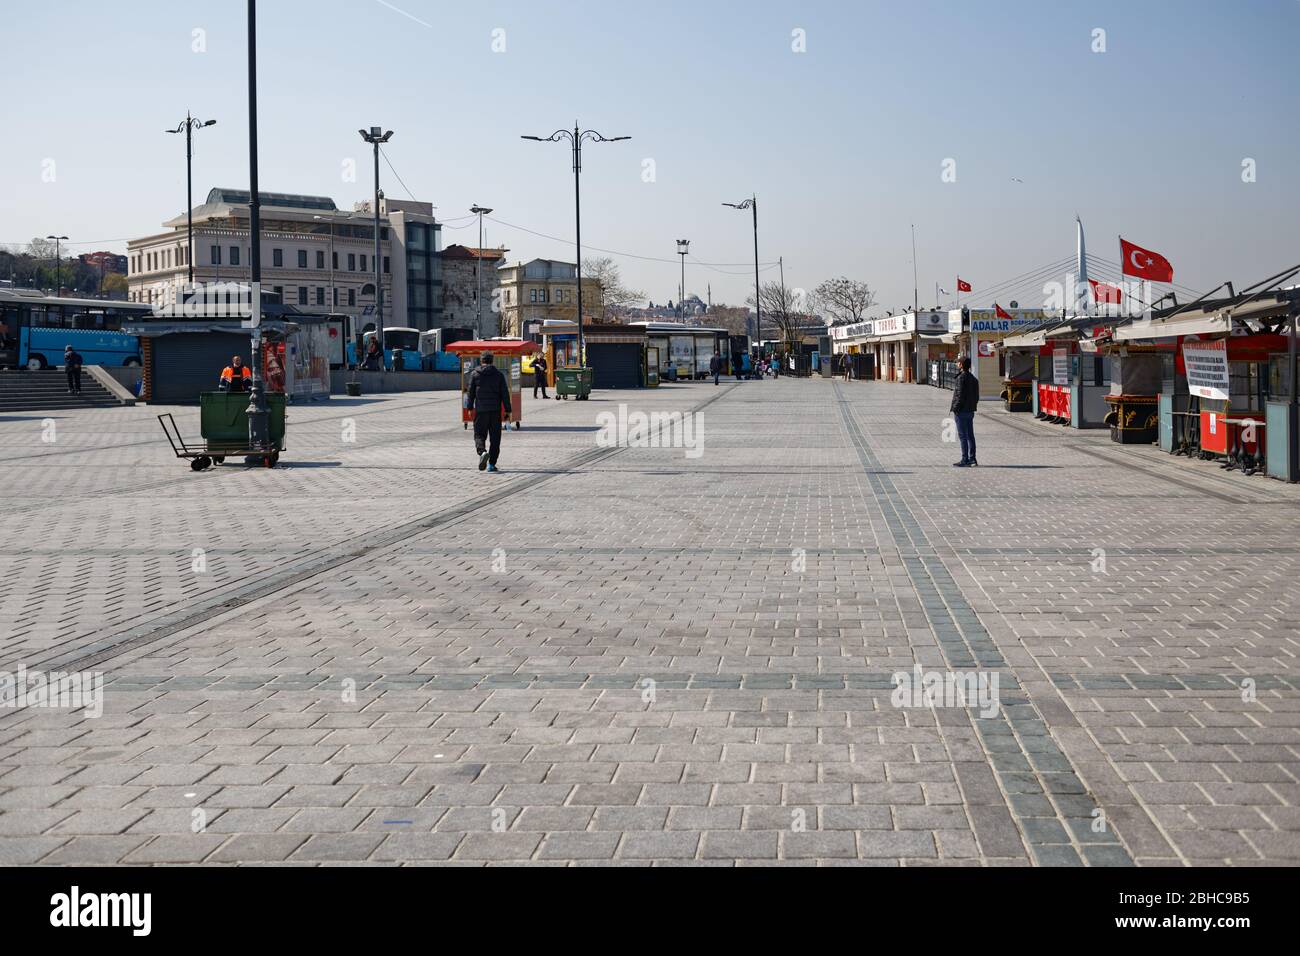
(27, 391)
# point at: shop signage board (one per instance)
(1207, 368)
(1060, 366)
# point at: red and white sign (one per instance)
(1207, 368)
(986, 348)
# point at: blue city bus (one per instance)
(401, 338)
(34, 329)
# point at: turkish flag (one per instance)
(1144, 264)
(963, 285)
(1104, 294)
(1002, 313)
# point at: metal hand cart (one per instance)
(223, 423)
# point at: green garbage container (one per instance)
(573, 381)
(223, 419)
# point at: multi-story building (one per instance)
(316, 256)
(543, 289)
(465, 271)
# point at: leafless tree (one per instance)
(846, 300)
(615, 297)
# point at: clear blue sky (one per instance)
(843, 143)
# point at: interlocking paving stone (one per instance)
(679, 655)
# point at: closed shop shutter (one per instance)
(188, 363)
(615, 364)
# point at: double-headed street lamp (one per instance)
(683, 247)
(480, 211)
(188, 126)
(752, 203)
(576, 138)
(375, 137)
(58, 263)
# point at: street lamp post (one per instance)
(576, 137)
(259, 435)
(188, 126)
(683, 247)
(752, 203)
(480, 211)
(375, 137)
(58, 263)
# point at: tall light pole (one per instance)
(752, 203)
(683, 247)
(481, 211)
(576, 139)
(58, 263)
(259, 432)
(375, 137)
(188, 126)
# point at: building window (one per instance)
(216, 255)
(302, 258)
(279, 293)
(320, 258)
(386, 269)
(363, 262)
(234, 255)
(352, 297)
(334, 260)
(532, 295)
(277, 258)
(320, 295)
(302, 295)
(334, 294)
(352, 262)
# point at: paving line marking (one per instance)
(315, 563)
(1025, 758)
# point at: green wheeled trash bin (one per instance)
(223, 422)
(573, 381)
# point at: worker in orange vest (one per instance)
(235, 377)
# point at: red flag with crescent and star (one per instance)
(1104, 294)
(1144, 264)
(963, 285)
(1002, 313)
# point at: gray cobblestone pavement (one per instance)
(633, 655)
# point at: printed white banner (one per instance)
(1207, 368)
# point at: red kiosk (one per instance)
(514, 349)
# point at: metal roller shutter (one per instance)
(188, 363)
(615, 364)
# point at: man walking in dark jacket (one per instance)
(489, 395)
(715, 366)
(965, 398)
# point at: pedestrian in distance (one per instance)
(72, 367)
(965, 399)
(539, 375)
(715, 366)
(489, 396)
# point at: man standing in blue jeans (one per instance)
(965, 398)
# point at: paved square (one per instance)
(376, 653)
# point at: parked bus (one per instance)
(34, 329)
(400, 338)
